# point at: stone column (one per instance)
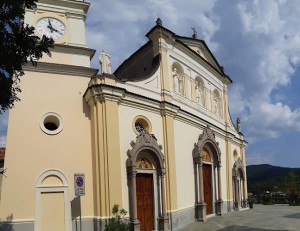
(201, 205)
(163, 220)
(236, 202)
(220, 200)
(244, 194)
(131, 174)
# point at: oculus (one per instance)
(51, 123)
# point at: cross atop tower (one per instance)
(195, 32)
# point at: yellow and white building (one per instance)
(155, 137)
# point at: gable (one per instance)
(200, 48)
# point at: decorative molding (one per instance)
(123, 97)
(80, 7)
(64, 188)
(69, 49)
(238, 165)
(61, 69)
(208, 138)
(145, 141)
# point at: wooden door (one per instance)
(207, 183)
(145, 201)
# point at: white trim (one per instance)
(60, 124)
(61, 188)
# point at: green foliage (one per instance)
(270, 178)
(117, 222)
(292, 184)
(18, 45)
(252, 199)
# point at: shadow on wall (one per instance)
(7, 225)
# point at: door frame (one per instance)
(155, 193)
(212, 187)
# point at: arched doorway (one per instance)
(238, 181)
(146, 184)
(52, 204)
(207, 158)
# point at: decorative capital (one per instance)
(162, 172)
(131, 172)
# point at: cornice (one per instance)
(69, 49)
(169, 109)
(77, 5)
(62, 69)
(102, 92)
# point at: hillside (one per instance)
(267, 177)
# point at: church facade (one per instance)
(154, 137)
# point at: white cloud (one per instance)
(259, 158)
(120, 27)
(266, 53)
(271, 120)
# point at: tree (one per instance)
(18, 45)
(292, 186)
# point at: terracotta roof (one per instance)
(2, 153)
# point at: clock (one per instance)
(51, 27)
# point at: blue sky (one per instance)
(258, 43)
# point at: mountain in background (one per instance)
(265, 177)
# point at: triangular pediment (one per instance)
(201, 49)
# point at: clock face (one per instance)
(51, 27)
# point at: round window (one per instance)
(141, 125)
(51, 123)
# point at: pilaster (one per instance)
(228, 170)
(106, 150)
(169, 154)
(159, 38)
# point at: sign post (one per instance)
(79, 187)
(79, 184)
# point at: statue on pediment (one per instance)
(104, 61)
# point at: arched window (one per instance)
(200, 91)
(177, 78)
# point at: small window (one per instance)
(51, 123)
(141, 125)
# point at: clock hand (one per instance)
(57, 31)
(50, 25)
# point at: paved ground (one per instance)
(261, 218)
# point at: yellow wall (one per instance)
(30, 151)
(127, 134)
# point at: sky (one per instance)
(257, 42)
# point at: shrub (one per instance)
(118, 222)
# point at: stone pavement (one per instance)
(261, 218)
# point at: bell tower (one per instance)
(49, 130)
(64, 21)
